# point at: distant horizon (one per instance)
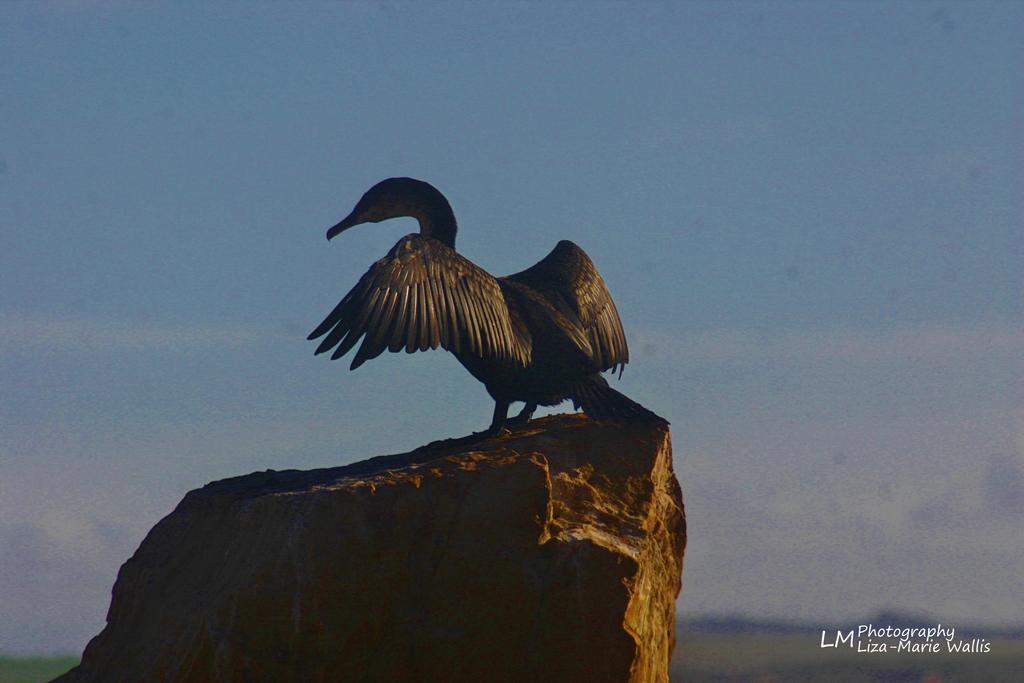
(1013, 629)
(739, 622)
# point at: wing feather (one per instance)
(422, 317)
(397, 338)
(436, 314)
(411, 330)
(375, 340)
(472, 318)
(346, 344)
(454, 335)
(423, 295)
(570, 281)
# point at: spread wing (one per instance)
(568, 278)
(420, 296)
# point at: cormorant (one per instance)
(539, 336)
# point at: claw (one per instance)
(524, 416)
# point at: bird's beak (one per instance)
(344, 225)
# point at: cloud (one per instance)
(921, 512)
(20, 333)
(920, 343)
(77, 8)
(51, 585)
(938, 512)
(979, 504)
(1002, 486)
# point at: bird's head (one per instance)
(398, 197)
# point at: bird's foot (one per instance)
(524, 415)
(496, 432)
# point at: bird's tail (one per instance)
(601, 402)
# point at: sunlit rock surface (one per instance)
(554, 554)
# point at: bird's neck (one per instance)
(438, 222)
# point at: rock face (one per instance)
(553, 554)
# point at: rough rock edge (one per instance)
(657, 518)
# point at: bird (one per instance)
(540, 336)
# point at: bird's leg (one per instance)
(524, 415)
(497, 427)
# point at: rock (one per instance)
(553, 554)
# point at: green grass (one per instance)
(33, 669)
(740, 658)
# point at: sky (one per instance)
(809, 215)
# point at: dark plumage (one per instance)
(539, 336)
